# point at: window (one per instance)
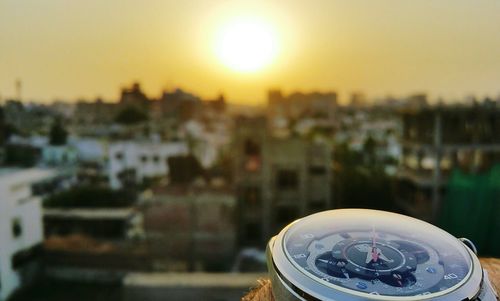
(156, 159)
(252, 197)
(252, 151)
(119, 156)
(287, 179)
(253, 232)
(144, 159)
(252, 148)
(317, 170)
(285, 215)
(17, 229)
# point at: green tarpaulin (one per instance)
(471, 209)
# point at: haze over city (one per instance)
(88, 49)
(223, 150)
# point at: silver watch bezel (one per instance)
(301, 284)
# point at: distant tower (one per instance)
(19, 86)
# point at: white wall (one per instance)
(89, 149)
(16, 202)
(132, 153)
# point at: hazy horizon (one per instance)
(83, 50)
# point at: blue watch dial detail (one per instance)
(377, 254)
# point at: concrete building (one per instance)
(91, 113)
(138, 160)
(277, 179)
(134, 97)
(207, 140)
(89, 149)
(21, 228)
(297, 105)
(437, 140)
(191, 226)
(188, 286)
(106, 223)
(59, 155)
(177, 105)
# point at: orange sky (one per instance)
(71, 49)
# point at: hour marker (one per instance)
(431, 270)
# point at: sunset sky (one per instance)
(84, 49)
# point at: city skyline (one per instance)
(91, 49)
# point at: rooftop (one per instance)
(25, 175)
(194, 280)
(98, 213)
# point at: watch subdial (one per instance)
(368, 260)
(419, 252)
(399, 279)
(331, 266)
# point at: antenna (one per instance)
(19, 86)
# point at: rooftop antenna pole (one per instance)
(19, 86)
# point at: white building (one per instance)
(59, 155)
(207, 144)
(140, 160)
(21, 228)
(89, 149)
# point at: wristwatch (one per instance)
(360, 254)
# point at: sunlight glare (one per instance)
(246, 45)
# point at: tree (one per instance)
(58, 134)
(361, 184)
(131, 115)
(369, 149)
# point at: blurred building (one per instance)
(373, 132)
(28, 118)
(21, 228)
(207, 140)
(358, 100)
(59, 155)
(89, 149)
(416, 101)
(134, 97)
(94, 113)
(217, 105)
(177, 104)
(108, 223)
(191, 226)
(63, 108)
(438, 140)
(298, 105)
(134, 161)
(188, 286)
(277, 179)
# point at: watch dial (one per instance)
(377, 253)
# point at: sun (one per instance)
(246, 44)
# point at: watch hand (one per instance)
(369, 256)
(346, 275)
(375, 252)
(384, 258)
(398, 278)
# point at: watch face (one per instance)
(377, 253)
